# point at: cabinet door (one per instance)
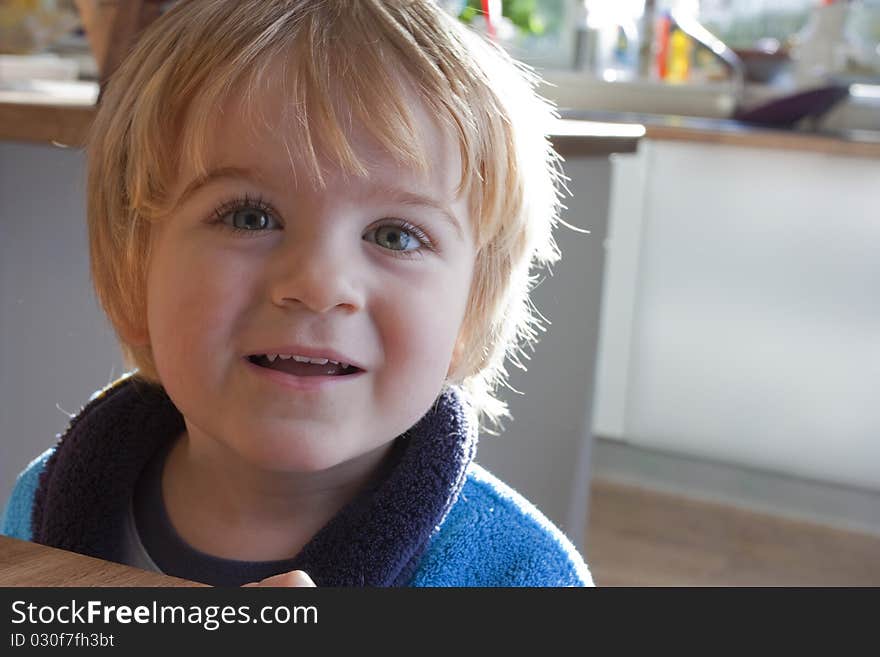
(754, 331)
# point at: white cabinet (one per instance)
(741, 309)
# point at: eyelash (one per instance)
(258, 203)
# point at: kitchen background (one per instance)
(715, 338)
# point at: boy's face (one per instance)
(325, 269)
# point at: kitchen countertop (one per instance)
(44, 123)
(64, 119)
(862, 143)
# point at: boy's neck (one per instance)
(227, 508)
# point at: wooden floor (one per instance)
(639, 537)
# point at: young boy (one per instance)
(312, 226)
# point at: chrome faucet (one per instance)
(695, 30)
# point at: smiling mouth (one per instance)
(291, 366)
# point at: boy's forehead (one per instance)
(264, 133)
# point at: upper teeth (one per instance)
(303, 359)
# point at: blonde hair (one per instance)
(155, 112)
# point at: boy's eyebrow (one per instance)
(405, 197)
(214, 175)
(375, 191)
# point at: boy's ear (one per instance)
(136, 336)
(457, 353)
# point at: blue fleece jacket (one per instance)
(436, 519)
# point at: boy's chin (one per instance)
(306, 457)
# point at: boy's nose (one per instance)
(317, 276)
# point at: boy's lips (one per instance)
(303, 368)
(309, 352)
(314, 383)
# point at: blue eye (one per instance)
(396, 238)
(250, 219)
(401, 238)
(246, 215)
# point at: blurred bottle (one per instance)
(584, 42)
(661, 35)
(614, 30)
(647, 39)
(684, 51)
(820, 49)
(622, 59)
(681, 47)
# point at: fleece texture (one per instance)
(435, 519)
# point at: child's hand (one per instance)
(293, 578)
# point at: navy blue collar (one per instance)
(376, 540)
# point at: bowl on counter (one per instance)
(764, 66)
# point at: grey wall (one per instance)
(56, 348)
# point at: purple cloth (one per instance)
(376, 540)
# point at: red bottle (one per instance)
(661, 34)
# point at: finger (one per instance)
(295, 578)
